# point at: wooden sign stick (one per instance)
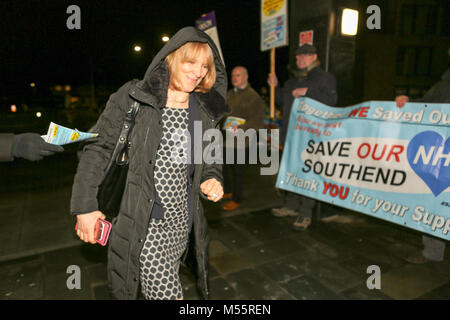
(272, 88)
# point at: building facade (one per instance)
(406, 55)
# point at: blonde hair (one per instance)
(188, 52)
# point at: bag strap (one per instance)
(123, 143)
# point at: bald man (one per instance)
(245, 103)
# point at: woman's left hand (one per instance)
(213, 189)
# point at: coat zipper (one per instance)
(154, 159)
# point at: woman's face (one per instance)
(190, 73)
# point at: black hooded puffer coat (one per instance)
(130, 226)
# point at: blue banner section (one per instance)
(388, 162)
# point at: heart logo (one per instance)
(421, 154)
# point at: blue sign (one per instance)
(375, 158)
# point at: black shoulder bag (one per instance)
(111, 189)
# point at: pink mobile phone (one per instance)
(102, 231)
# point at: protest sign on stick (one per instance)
(273, 34)
(207, 24)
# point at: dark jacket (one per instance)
(6, 144)
(247, 104)
(130, 226)
(321, 87)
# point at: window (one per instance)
(407, 19)
(414, 61)
(418, 19)
(423, 61)
(446, 25)
(411, 92)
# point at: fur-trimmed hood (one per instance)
(153, 88)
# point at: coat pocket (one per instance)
(116, 285)
(130, 201)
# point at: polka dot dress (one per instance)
(167, 238)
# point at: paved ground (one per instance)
(253, 255)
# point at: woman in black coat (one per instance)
(161, 221)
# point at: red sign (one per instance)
(306, 37)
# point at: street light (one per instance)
(137, 48)
(32, 84)
(349, 22)
(165, 38)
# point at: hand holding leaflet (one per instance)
(31, 147)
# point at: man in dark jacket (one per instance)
(315, 83)
(29, 146)
(312, 82)
(433, 248)
(247, 104)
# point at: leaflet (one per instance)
(233, 121)
(60, 135)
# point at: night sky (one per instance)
(36, 46)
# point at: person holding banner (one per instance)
(312, 82)
(315, 83)
(433, 248)
(246, 104)
(29, 146)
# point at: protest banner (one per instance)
(274, 34)
(207, 24)
(374, 158)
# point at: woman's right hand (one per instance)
(86, 225)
